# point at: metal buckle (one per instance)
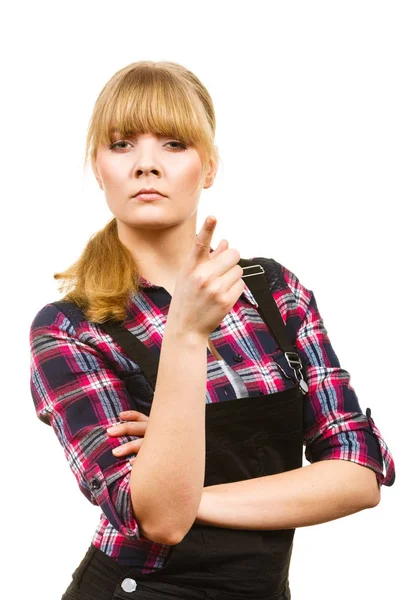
(296, 360)
(252, 267)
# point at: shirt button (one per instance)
(95, 484)
(238, 358)
(129, 585)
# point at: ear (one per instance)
(210, 175)
(96, 173)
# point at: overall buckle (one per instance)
(252, 267)
(295, 363)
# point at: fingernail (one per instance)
(116, 451)
(112, 429)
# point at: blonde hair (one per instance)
(146, 96)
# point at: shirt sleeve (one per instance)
(76, 391)
(334, 425)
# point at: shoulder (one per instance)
(48, 315)
(273, 272)
(51, 317)
(285, 286)
(60, 322)
(63, 346)
(60, 329)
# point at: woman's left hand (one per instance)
(133, 423)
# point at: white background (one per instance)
(307, 100)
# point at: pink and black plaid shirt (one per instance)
(80, 379)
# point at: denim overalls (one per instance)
(245, 438)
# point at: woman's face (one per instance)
(150, 161)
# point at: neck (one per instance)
(159, 253)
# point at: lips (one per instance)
(152, 196)
(148, 191)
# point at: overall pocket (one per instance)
(279, 452)
(247, 554)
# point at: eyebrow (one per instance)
(115, 130)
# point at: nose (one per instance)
(146, 170)
(146, 159)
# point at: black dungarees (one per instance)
(245, 438)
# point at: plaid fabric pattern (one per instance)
(81, 379)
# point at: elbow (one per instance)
(371, 495)
(158, 536)
(161, 537)
(169, 537)
(153, 532)
(159, 522)
(367, 484)
(167, 531)
(373, 498)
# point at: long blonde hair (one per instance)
(146, 96)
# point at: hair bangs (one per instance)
(150, 101)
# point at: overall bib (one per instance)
(245, 438)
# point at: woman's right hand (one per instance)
(207, 287)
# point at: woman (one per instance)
(199, 499)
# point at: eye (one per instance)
(117, 145)
(180, 144)
(120, 146)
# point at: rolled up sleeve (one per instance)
(76, 391)
(334, 424)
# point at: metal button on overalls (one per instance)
(128, 585)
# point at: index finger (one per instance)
(201, 249)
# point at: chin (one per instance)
(147, 224)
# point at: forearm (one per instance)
(168, 473)
(317, 493)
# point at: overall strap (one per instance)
(71, 310)
(258, 284)
(131, 345)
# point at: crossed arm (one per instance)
(316, 493)
(319, 492)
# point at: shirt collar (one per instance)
(246, 292)
(145, 283)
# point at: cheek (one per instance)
(111, 172)
(188, 178)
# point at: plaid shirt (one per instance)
(81, 380)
